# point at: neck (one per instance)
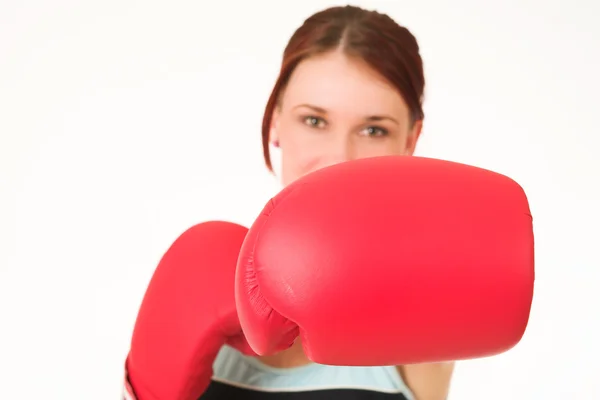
(290, 358)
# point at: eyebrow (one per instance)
(372, 118)
(314, 108)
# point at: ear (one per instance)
(273, 134)
(413, 138)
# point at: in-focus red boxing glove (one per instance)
(389, 261)
(187, 314)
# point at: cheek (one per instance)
(302, 151)
(298, 160)
(384, 148)
(394, 145)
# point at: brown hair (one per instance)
(385, 46)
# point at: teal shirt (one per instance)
(234, 369)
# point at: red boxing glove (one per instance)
(187, 314)
(390, 261)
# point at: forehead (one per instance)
(339, 83)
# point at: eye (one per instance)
(314, 122)
(374, 131)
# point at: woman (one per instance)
(351, 86)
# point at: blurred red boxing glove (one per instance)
(389, 261)
(187, 314)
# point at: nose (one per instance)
(342, 149)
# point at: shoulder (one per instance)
(428, 380)
(234, 369)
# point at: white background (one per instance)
(122, 123)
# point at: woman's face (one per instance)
(337, 109)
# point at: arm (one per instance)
(428, 381)
(128, 393)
